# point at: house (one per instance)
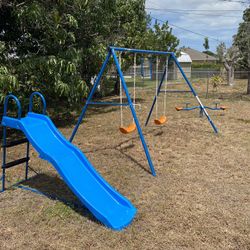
(199, 57)
(147, 68)
(185, 61)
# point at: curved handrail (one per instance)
(31, 101)
(6, 102)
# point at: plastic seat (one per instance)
(178, 108)
(223, 107)
(161, 120)
(128, 129)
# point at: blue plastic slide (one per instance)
(106, 204)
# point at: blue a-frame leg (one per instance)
(202, 107)
(130, 104)
(97, 82)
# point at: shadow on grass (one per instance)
(131, 158)
(55, 188)
(122, 148)
(121, 151)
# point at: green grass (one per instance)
(59, 209)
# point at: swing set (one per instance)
(159, 120)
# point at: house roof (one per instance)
(184, 57)
(199, 56)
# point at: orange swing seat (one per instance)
(223, 107)
(178, 108)
(162, 119)
(129, 129)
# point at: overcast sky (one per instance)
(216, 19)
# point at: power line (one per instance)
(187, 13)
(230, 1)
(198, 10)
(194, 32)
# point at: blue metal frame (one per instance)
(97, 82)
(112, 53)
(6, 102)
(142, 51)
(4, 143)
(4, 159)
(42, 99)
(202, 107)
(124, 85)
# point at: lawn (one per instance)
(200, 198)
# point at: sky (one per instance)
(216, 19)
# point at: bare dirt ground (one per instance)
(200, 198)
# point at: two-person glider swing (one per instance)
(171, 56)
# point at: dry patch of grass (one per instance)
(199, 199)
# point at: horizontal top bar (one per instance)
(155, 52)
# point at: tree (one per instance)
(57, 46)
(229, 58)
(160, 37)
(242, 41)
(206, 44)
(221, 51)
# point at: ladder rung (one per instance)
(16, 162)
(15, 143)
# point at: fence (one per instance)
(193, 74)
(207, 73)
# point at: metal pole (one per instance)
(27, 161)
(151, 69)
(207, 86)
(4, 158)
(154, 52)
(134, 113)
(97, 82)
